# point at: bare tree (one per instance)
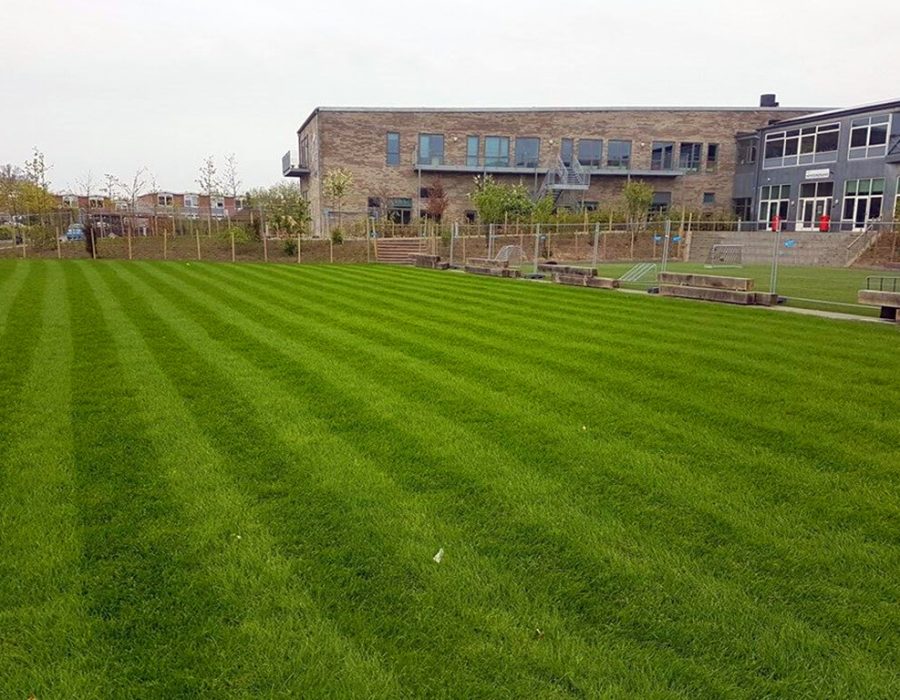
(36, 169)
(230, 179)
(132, 190)
(437, 200)
(210, 185)
(86, 185)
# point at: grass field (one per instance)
(230, 481)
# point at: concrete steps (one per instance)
(397, 251)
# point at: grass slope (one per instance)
(223, 480)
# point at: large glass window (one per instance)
(868, 137)
(431, 149)
(618, 154)
(746, 152)
(496, 151)
(811, 144)
(304, 152)
(528, 150)
(712, 157)
(473, 144)
(567, 151)
(400, 210)
(774, 200)
(393, 148)
(690, 157)
(590, 153)
(661, 202)
(743, 208)
(862, 201)
(661, 155)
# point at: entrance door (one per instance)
(810, 211)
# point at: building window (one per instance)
(743, 208)
(661, 202)
(473, 144)
(95, 202)
(773, 201)
(618, 154)
(589, 205)
(238, 204)
(661, 155)
(712, 157)
(811, 144)
(431, 149)
(746, 153)
(393, 148)
(191, 201)
(567, 151)
(70, 200)
(862, 201)
(424, 192)
(528, 151)
(590, 153)
(470, 216)
(496, 151)
(304, 152)
(690, 157)
(165, 200)
(217, 202)
(868, 137)
(709, 198)
(400, 210)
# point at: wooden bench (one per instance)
(729, 290)
(883, 292)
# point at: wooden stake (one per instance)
(330, 249)
(58, 245)
(231, 231)
(129, 243)
(93, 243)
(165, 243)
(298, 248)
(265, 246)
(197, 236)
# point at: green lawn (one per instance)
(230, 481)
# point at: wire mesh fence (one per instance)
(817, 268)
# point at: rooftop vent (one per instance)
(768, 100)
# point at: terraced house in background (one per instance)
(580, 157)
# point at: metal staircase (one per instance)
(561, 178)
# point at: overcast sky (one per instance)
(112, 86)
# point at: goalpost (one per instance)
(725, 255)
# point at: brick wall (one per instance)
(356, 141)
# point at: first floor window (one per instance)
(862, 201)
(393, 148)
(590, 152)
(690, 157)
(191, 200)
(400, 210)
(95, 202)
(661, 155)
(217, 202)
(618, 154)
(496, 151)
(473, 144)
(811, 144)
(164, 200)
(373, 204)
(709, 198)
(238, 204)
(70, 201)
(774, 200)
(431, 149)
(661, 202)
(746, 152)
(743, 208)
(528, 149)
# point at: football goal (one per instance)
(725, 255)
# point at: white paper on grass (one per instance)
(439, 556)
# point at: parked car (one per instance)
(75, 232)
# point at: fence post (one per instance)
(464, 249)
(490, 241)
(93, 242)
(298, 247)
(330, 249)
(665, 256)
(773, 278)
(537, 243)
(596, 241)
(454, 230)
(197, 236)
(231, 231)
(58, 245)
(130, 257)
(265, 247)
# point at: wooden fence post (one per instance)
(165, 243)
(231, 231)
(197, 236)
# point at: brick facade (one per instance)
(355, 139)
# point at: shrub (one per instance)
(289, 247)
(337, 236)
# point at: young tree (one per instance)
(495, 202)
(638, 196)
(210, 185)
(437, 200)
(86, 187)
(132, 190)
(337, 186)
(36, 169)
(230, 179)
(283, 206)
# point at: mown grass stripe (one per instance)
(139, 572)
(374, 587)
(45, 634)
(10, 283)
(271, 638)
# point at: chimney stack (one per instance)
(767, 100)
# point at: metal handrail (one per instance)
(882, 280)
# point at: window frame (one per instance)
(869, 146)
(868, 197)
(194, 198)
(502, 159)
(662, 147)
(627, 158)
(161, 198)
(392, 157)
(571, 147)
(595, 162)
(696, 159)
(431, 158)
(528, 163)
(473, 160)
(795, 140)
(712, 157)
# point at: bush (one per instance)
(289, 247)
(337, 236)
(241, 235)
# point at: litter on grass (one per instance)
(439, 556)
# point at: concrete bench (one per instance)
(586, 281)
(425, 260)
(888, 301)
(492, 271)
(488, 262)
(728, 290)
(554, 268)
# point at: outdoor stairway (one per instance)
(397, 251)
